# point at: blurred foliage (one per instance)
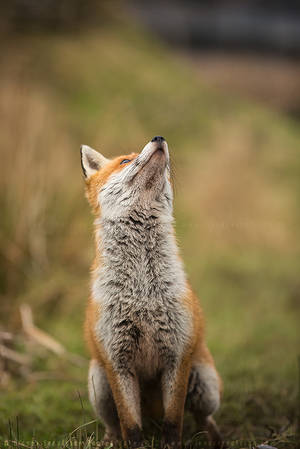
(53, 15)
(237, 188)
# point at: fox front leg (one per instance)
(126, 393)
(174, 388)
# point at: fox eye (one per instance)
(124, 161)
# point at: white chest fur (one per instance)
(140, 285)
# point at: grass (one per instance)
(237, 189)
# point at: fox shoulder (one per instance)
(191, 302)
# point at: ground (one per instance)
(236, 190)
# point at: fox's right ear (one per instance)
(91, 161)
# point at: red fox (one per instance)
(144, 325)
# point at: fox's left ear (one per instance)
(91, 161)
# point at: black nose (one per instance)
(158, 139)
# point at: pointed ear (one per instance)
(91, 161)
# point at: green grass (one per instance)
(237, 187)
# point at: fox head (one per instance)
(134, 182)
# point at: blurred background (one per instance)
(220, 80)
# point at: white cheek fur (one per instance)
(117, 198)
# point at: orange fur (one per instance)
(95, 182)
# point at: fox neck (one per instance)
(137, 259)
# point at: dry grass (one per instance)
(37, 189)
(237, 202)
